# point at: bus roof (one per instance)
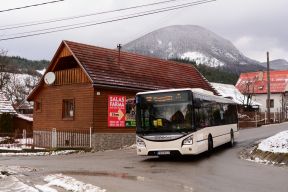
(198, 91)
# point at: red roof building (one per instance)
(258, 82)
(86, 79)
(255, 84)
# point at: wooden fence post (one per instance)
(54, 138)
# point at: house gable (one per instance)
(67, 70)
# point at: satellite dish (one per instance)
(49, 78)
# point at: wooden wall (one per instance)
(101, 110)
(50, 115)
(70, 76)
(20, 124)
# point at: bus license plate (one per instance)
(163, 153)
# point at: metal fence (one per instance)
(256, 119)
(46, 139)
(62, 139)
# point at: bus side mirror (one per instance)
(197, 103)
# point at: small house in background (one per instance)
(23, 122)
(88, 89)
(5, 105)
(11, 122)
(7, 114)
(254, 86)
(25, 108)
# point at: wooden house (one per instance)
(94, 89)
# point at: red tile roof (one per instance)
(135, 71)
(258, 82)
(132, 71)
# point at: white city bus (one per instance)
(183, 121)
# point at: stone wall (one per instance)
(104, 141)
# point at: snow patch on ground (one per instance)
(12, 179)
(270, 151)
(52, 153)
(200, 58)
(275, 144)
(67, 183)
(263, 161)
(10, 182)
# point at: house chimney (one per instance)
(119, 46)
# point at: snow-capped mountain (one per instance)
(278, 64)
(193, 43)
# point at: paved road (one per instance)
(123, 171)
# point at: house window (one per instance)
(68, 109)
(38, 106)
(271, 103)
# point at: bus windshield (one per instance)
(164, 112)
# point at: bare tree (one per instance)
(15, 86)
(4, 76)
(19, 88)
(247, 89)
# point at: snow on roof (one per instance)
(5, 104)
(41, 71)
(275, 144)
(25, 117)
(230, 91)
(24, 105)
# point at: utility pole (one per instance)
(268, 89)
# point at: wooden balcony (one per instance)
(70, 76)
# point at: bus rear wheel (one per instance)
(232, 141)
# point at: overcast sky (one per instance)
(253, 26)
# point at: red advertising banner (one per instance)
(116, 111)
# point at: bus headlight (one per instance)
(188, 141)
(140, 142)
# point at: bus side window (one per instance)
(216, 115)
(230, 113)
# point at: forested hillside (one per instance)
(213, 74)
(14, 64)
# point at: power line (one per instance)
(93, 22)
(81, 16)
(28, 6)
(70, 27)
(141, 14)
